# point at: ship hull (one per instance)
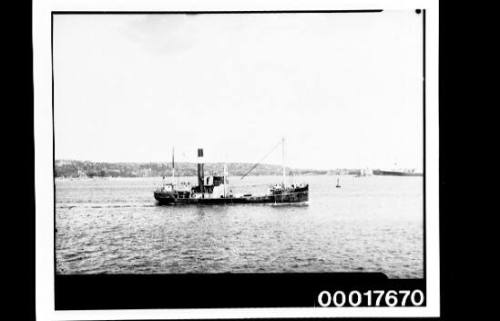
(394, 173)
(297, 195)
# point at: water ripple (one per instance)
(371, 224)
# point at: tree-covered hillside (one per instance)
(73, 168)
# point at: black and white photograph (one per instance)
(270, 154)
(237, 143)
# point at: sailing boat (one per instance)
(215, 189)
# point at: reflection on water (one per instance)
(114, 226)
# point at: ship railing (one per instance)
(289, 193)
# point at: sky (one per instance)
(344, 89)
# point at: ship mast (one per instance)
(173, 166)
(283, 160)
(225, 178)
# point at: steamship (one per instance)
(215, 189)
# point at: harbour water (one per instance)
(370, 224)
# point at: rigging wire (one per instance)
(260, 161)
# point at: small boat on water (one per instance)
(215, 189)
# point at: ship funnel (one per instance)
(201, 176)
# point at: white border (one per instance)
(42, 69)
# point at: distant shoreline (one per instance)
(88, 169)
(59, 178)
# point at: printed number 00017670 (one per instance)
(376, 298)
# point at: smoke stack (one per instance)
(201, 176)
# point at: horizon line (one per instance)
(235, 162)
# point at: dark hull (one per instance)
(394, 173)
(292, 196)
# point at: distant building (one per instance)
(62, 162)
(146, 172)
(114, 173)
(365, 172)
(81, 174)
